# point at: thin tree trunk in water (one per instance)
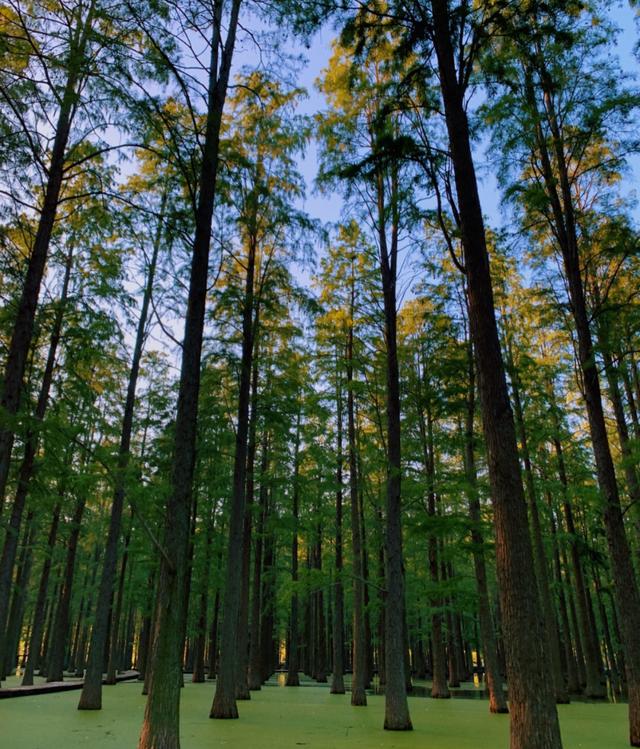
(23, 572)
(91, 695)
(213, 637)
(61, 624)
(269, 662)
(439, 686)
(358, 694)
(256, 654)
(22, 333)
(572, 665)
(293, 679)
(396, 706)
(117, 613)
(626, 587)
(540, 557)
(337, 670)
(203, 598)
(242, 682)
(28, 466)
(35, 640)
(160, 728)
(81, 650)
(595, 680)
(497, 700)
(224, 701)
(534, 718)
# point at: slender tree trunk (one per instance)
(117, 612)
(61, 624)
(293, 679)
(534, 719)
(396, 706)
(358, 693)
(91, 695)
(256, 654)
(35, 640)
(439, 686)
(572, 665)
(160, 728)
(595, 682)
(242, 683)
(540, 557)
(337, 670)
(224, 702)
(493, 678)
(203, 598)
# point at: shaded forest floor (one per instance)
(282, 718)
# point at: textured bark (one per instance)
(534, 720)
(160, 728)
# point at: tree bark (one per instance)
(534, 719)
(160, 728)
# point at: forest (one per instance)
(320, 391)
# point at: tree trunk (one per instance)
(493, 678)
(534, 719)
(293, 679)
(224, 702)
(60, 633)
(337, 670)
(91, 695)
(396, 706)
(160, 728)
(256, 654)
(540, 557)
(358, 693)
